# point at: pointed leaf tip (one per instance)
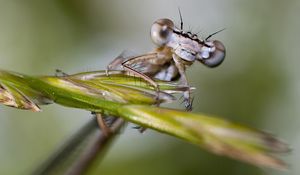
(11, 96)
(216, 135)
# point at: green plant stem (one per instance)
(114, 95)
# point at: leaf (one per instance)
(15, 91)
(11, 96)
(90, 90)
(216, 135)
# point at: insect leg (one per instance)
(127, 66)
(60, 73)
(104, 128)
(140, 129)
(187, 94)
(141, 59)
(141, 75)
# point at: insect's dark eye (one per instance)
(214, 57)
(161, 31)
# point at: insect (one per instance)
(176, 50)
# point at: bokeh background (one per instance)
(258, 84)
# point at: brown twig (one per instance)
(77, 154)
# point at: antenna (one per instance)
(209, 36)
(181, 22)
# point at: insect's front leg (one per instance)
(183, 80)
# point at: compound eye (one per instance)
(161, 31)
(216, 57)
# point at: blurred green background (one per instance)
(258, 84)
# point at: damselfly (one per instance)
(176, 50)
